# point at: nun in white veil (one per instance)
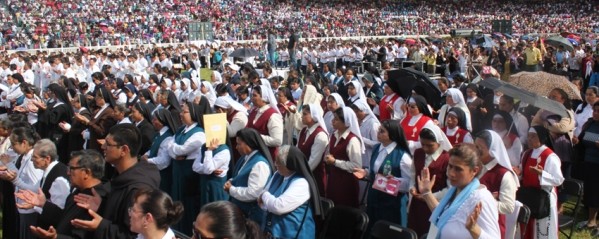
(344, 154)
(334, 102)
(455, 98)
(208, 92)
(493, 156)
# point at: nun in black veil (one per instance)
(255, 164)
(140, 115)
(59, 112)
(293, 175)
(158, 154)
(184, 150)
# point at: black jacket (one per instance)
(63, 226)
(115, 222)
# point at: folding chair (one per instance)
(523, 217)
(344, 222)
(388, 230)
(573, 188)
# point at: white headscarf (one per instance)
(458, 98)
(440, 137)
(217, 77)
(186, 82)
(362, 106)
(498, 152)
(210, 95)
(227, 102)
(269, 96)
(316, 114)
(359, 89)
(311, 96)
(338, 99)
(351, 121)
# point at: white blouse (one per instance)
(487, 220)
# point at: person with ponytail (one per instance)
(152, 214)
(223, 219)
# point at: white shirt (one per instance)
(353, 150)
(191, 148)
(239, 121)
(125, 120)
(275, 128)
(168, 235)
(321, 142)
(487, 220)
(582, 117)
(294, 196)
(552, 174)
(162, 159)
(59, 190)
(405, 165)
(28, 177)
(211, 163)
(258, 178)
(507, 189)
(368, 129)
(29, 76)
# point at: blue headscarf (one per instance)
(440, 215)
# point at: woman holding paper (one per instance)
(213, 167)
(391, 160)
(468, 209)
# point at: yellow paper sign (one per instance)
(215, 126)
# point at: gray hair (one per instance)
(92, 160)
(282, 156)
(45, 148)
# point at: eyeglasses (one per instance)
(112, 145)
(130, 210)
(198, 235)
(72, 168)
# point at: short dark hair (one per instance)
(127, 134)
(90, 159)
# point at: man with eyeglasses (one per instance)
(54, 184)
(121, 148)
(85, 170)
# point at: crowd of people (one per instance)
(67, 23)
(115, 142)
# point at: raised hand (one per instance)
(471, 223)
(91, 202)
(425, 182)
(88, 225)
(36, 199)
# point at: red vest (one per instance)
(261, 125)
(342, 187)
(419, 221)
(492, 180)
(413, 132)
(284, 113)
(457, 138)
(531, 179)
(383, 111)
(319, 172)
